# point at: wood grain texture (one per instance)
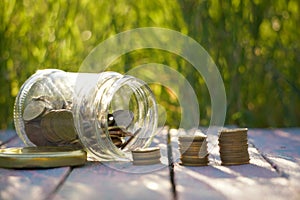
(120, 180)
(281, 148)
(98, 181)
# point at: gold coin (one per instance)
(235, 163)
(41, 157)
(191, 138)
(145, 157)
(34, 110)
(241, 159)
(150, 153)
(193, 164)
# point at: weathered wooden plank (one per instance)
(29, 183)
(6, 135)
(281, 147)
(98, 181)
(119, 180)
(252, 181)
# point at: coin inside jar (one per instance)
(34, 110)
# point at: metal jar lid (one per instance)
(41, 157)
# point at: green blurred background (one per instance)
(255, 44)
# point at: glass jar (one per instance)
(108, 114)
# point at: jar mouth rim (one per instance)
(138, 88)
(108, 96)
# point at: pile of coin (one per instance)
(50, 122)
(118, 123)
(193, 150)
(147, 156)
(233, 145)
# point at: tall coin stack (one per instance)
(148, 156)
(233, 145)
(193, 150)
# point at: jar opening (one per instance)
(125, 117)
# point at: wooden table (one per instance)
(273, 173)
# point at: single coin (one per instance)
(234, 153)
(194, 164)
(191, 138)
(123, 117)
(235, 156)
(146, 154)
(47, 127)
(33, 110)
(63, 125)
(120, 133)
(145, 157)
(235, 160)
(234, 130)
(234, 163)
(41, 157)
(34, 133)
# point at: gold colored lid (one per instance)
(41, 157)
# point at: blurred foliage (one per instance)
(255, 44)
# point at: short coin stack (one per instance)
(148, 156)
(233, 145)
(193, 150)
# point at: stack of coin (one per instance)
(148, 156)
(193, 150)
(233, 145)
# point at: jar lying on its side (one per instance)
(108, 114)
